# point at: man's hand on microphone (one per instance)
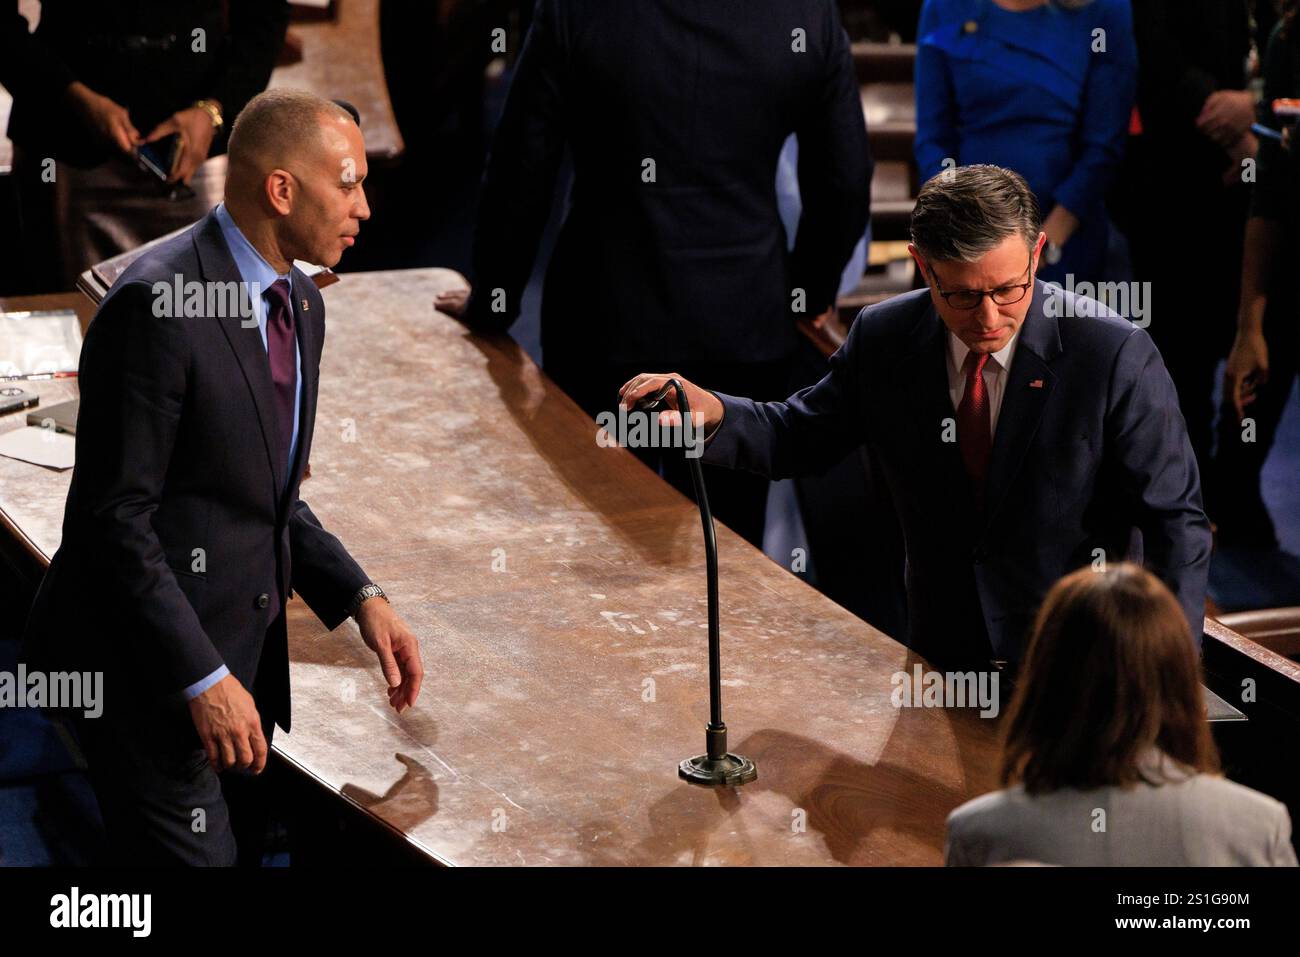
(706, 408)
(228, 724)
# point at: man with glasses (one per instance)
(1023, 431)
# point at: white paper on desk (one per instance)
(46, 447)
(39, 343)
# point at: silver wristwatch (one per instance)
(368, 590)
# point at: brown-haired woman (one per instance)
(1108, 758)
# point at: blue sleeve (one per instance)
(203, 684)
(1158, 474)
(134, 382)
(1108, 96)
(324, 574)
(936, 99)
(805, 434)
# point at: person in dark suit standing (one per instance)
(184, 534)
(1183, 196)
(95, 81)
(672, 249)
(1023, 431)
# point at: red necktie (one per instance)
(974, 435)
(280, 350)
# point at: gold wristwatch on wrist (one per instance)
(213, 109)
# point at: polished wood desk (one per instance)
(558, 591)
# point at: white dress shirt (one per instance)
(995, 375)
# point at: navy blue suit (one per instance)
(177, 451)
(183, 536)
(1089, 446)
(688, 264)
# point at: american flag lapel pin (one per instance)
(1036, 384)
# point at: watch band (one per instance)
(365, 593)
(210, 107)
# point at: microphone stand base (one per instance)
(727, 771)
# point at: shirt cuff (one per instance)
(203, 684)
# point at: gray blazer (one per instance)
(1195, 820)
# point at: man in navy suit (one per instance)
(1023, 431)
(183, 535)
(672, 252)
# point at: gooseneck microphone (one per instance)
(716, 766)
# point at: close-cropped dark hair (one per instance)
(964, 212)
(1110, 672)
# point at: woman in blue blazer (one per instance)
(1043, 87)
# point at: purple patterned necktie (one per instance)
(280, 349)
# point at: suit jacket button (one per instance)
(263, 600)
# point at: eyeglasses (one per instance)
(974, 298)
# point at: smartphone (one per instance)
(157, 157)
(13, 399)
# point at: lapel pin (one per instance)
(1036, 384)
(305, 307)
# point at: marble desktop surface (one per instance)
(557, 588)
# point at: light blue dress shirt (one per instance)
(253, 268)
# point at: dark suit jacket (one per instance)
(72, 42)
(1089, 446)
(175, 444)
(692, 267)
(1187, 49)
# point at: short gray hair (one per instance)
(967, 211)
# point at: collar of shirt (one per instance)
(995, 375)
(957, 352)
(253, 268)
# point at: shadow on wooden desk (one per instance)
(562, 434)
